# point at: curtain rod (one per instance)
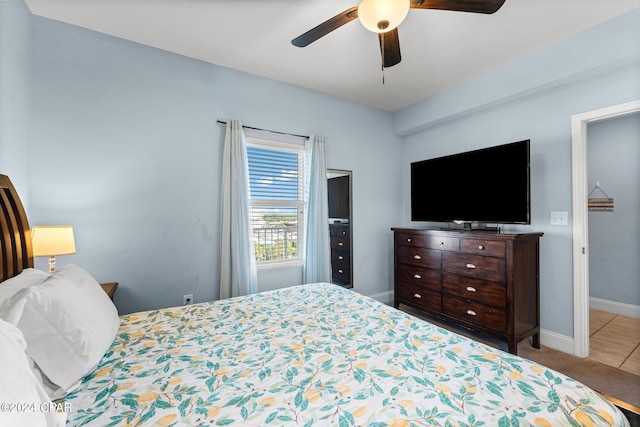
(267, 130)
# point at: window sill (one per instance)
(294, 263)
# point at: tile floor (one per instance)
(615, 340)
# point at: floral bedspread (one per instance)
(318, 355)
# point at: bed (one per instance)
(307, 355)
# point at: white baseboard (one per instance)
(557, 341)
(619, 308)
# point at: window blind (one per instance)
(273, 174)
(276, 192)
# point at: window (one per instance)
(276, 185)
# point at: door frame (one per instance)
(579, 124)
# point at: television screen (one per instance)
(489, 185)
(338, 192)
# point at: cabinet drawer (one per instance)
(419, 296)
(427, 278)
(420, 256)
(340, 242)
(485, 292)
(430, 242)
(339, 231)
(340, 257)
(488, 268)
(341, 272)
(495, 248)
(476, 313)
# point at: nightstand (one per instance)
(110, 288)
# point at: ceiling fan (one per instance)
(384, 16)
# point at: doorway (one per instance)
(580, 190)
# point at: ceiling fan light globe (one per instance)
(381, 16)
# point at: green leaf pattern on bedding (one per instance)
(318, 355)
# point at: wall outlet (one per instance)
(187, 299)
(559, 218)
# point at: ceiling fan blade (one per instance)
(475, 6)
(389, 48)
(326, 27)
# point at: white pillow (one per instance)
(28, 277)
(24, 401)
(68, 322)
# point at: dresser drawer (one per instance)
(340, 257)
(420, 256)
(489, 268)
(495, 248)
(341, 272)
(483, 291)
(419, 296)
(476, 313)
(430, 242)
(420, 276)
(339, 231)
(341, 242)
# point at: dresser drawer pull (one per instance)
(344, 232)
(340, 257)
(417, 257)
(471, 312)
(340, 271)
(417, 296)
(340, 244)
(480, 248)
(441, 243)
(471, 289)
(470, 266)
(417, 276)
(408, 240)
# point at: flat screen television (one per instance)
(488, 186)
(338, 192)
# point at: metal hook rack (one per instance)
(600, 204)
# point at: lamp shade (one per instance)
(381, 16)
(53, 240)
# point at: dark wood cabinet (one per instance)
(487, 282)
(340, 237)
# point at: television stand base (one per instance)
(467, 226)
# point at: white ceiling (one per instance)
(439, 48)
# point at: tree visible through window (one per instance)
(276, 199)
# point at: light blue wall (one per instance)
(613, 150)
(533, 98)
(126, 148)
(14, 94)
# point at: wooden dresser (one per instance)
(340, 235)
(484, 281)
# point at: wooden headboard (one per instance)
(15, 239)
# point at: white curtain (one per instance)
(238, 274)
(317, 254)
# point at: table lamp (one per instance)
(51, 241)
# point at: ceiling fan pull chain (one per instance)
(382, 50)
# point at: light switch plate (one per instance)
(559, 218)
